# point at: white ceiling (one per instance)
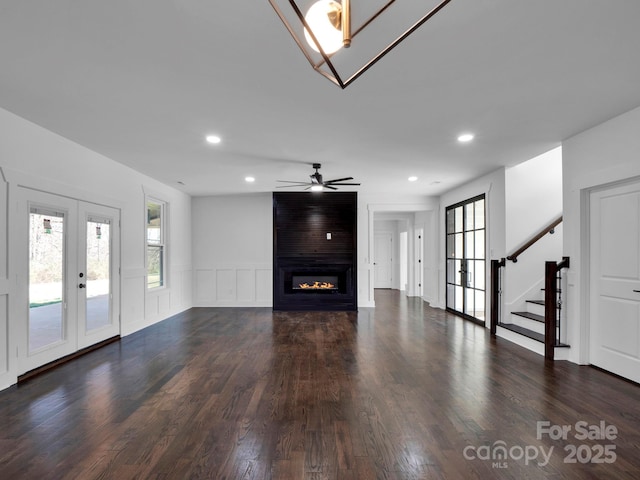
(143, 82)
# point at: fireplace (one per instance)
(315, 283)
(306, 285)
(314, 251)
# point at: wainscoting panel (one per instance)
(245, 285)
(4, 339)
(132, 301)
(233, 286)
(226, 285)
(205, 286)
(264, 286)
(151, 306)
(179, 289)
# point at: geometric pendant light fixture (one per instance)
(336, 49)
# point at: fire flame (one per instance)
(317, 285)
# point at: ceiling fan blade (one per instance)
(329, 186)
(290, 181)
(338, 180)
(342, 184)
(292, 186)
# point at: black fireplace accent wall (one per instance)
(314, 251)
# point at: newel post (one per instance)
(550, 308)
(495, 294)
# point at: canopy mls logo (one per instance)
(499, 453)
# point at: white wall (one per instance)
(233, 246)
(233, 250)
(37, 158)
(492, 186)
(605, 154)
(533, 195)
(6, 377)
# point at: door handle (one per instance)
(81, 285)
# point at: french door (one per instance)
(68, 276)
(466, 260)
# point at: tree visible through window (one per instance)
(155, 244)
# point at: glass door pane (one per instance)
(46, 279)
(98, 275)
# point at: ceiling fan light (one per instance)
(317, 188)
(324, 20)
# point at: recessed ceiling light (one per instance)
(465, 137)
(249, 179)
(413, 179)
(213, 139)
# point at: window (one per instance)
(156, 251)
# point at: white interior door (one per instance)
(382, 260)
(68, 278)
(419, 262)
(614, 330)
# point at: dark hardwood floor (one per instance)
(400, 392)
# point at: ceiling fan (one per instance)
(317, 183)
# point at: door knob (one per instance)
(82, 285)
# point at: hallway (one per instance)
(402, 391)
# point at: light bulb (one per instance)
(324, 20)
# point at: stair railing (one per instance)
(553, 306)
(548, 229)
(497, 273)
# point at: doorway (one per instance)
(69, 281)
(614, 327)
(466, 258)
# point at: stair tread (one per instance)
(530, 316)
(537, 302)
(539, 337)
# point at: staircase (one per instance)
(530, 325)
(539, 321)
(539, 327)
